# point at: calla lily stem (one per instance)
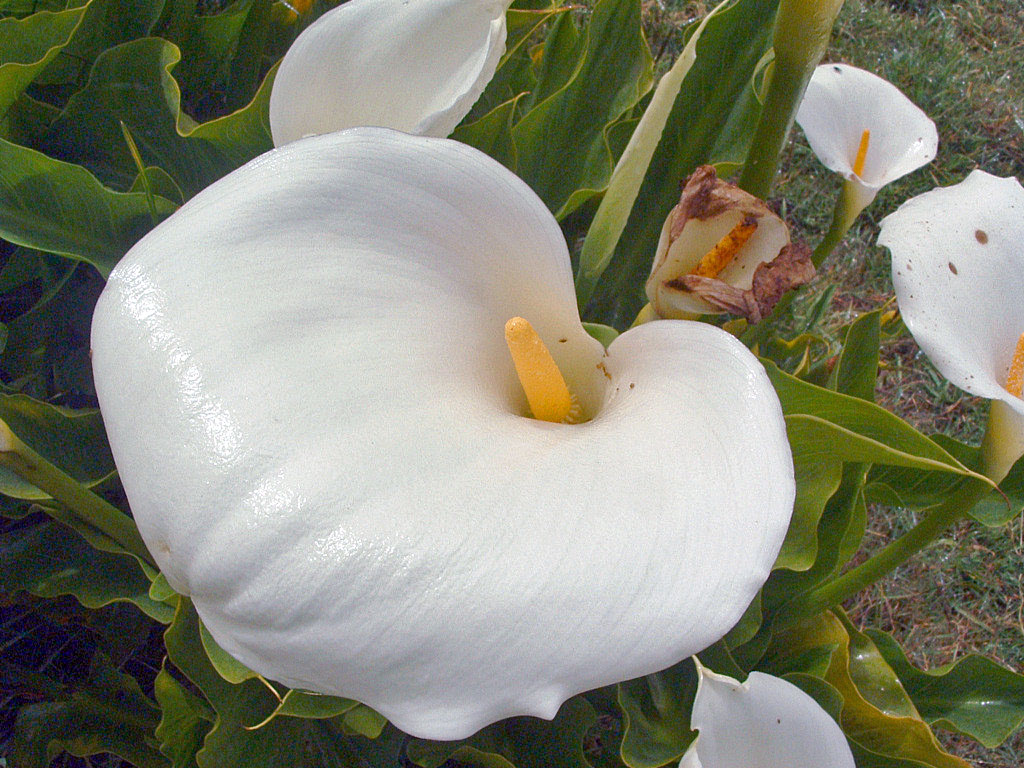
(802, 32)
(890, 558)
(845, 213)
(995, 465)
(86, 505)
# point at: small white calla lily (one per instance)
(306, 384)
(958, 271)
(863, 128)
(764, 722)
(413, 65)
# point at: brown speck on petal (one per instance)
(952, 268)
(772, 279)
(981, 236)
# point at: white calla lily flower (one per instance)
(865, 129)
(958, 271)
(764, 722)
(412, 65)
(306, 384)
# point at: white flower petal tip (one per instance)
(958, 271)
(765, 722)
(306, 385)
(841, 103)
(723, 250)
(412, 65)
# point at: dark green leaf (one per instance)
(184, 720)
(563, 145)
(857, 367)
(27, 46)
(656, 712)
(108, 714)
(973, 696)
(48, 560)
(62, 208)
(73, 440)
(522, 742)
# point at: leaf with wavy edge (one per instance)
(875, 716)
(973, 696)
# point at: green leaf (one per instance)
(973, 696)
(61, 208)
(244, 735)
(899, 487)
(708, 123)
(520, 742)
(109, 713)
(852, 429)
(106, 23)
(563, 145)
(857, 367)
(184, 720)
(48, 560)
(73, 440)
(817, 479)
(875, 717)
(132, 83)
(656, 716)
(227, 666)
(27, 46)
(208, 44)
(492, 133)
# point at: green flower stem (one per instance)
(802, 32)
(891, 557)
(1001, 447)
(86, 505)
(853, 198)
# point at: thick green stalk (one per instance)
(85, 504)
(1002, 446)
(890, 558)
(802, 31)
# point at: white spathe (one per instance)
(840, 103)
(958, 271)
(764, 722)
(305, 382)
(413, 65)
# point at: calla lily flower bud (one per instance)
(723, 250)
(414, 65)
(958, 271)
(765, 722)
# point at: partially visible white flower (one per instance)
(958, 271)
(863, 128)
(413, 65)
(306, 380)
(765, 722)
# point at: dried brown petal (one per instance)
(772, 279)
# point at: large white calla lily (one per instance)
(413, 65)
(863, 128)
(958, 271)
(306, 384)
(764, 722)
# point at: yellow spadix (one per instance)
(1015, 378)
(546, 391)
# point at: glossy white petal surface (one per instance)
(413, 65)
(305, 382)
(958, 270)
(764, 722)
(841, 102)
